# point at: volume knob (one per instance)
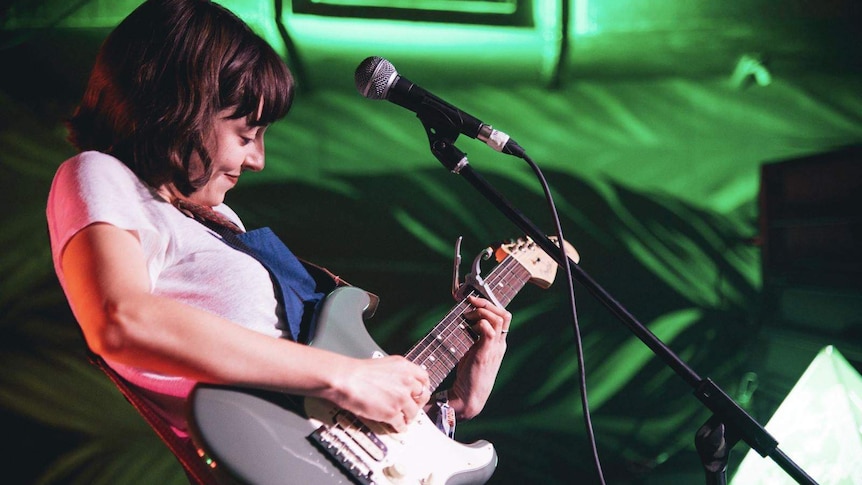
(395, 472)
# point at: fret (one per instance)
(450, 340)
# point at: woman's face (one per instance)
(235, 147)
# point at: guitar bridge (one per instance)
(328, 441)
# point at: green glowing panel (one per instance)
(496, 12)
(819, 426)
(476, 6)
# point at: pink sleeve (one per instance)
(94, 187)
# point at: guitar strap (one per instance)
(185, 452)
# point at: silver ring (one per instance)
(504, 331)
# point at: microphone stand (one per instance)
(729, 422)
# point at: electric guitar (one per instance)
(266, 437)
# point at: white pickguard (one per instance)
(421, 454)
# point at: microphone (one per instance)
(376, 78)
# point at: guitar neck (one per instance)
(447, 343)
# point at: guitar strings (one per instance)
(452, 337)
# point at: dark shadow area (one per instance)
(690, 270)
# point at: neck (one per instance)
(169, 193)
(205, 214)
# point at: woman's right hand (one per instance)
(390, 390)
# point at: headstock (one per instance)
(542, 268)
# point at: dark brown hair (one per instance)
(160, 79)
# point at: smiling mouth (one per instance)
(234, 178)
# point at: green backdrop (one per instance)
(653, 152)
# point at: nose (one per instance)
(254, 159)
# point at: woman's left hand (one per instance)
(477, 371)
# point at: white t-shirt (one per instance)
(186, 261)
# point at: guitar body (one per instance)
(264, 437)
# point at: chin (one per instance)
(210, 200)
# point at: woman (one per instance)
(176, 109)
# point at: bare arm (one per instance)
(108, 288)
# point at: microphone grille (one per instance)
(373, 77)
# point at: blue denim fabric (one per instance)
(295, 288)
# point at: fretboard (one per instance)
(441, 350)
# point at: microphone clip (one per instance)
(442, 141)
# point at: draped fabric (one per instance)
(656, 182)
(298, 289)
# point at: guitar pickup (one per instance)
(342, 454)
(361, 434)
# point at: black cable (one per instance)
(582, 380)
(294, 60)
(563, 45)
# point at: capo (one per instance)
(456, 283)
(474, 278)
